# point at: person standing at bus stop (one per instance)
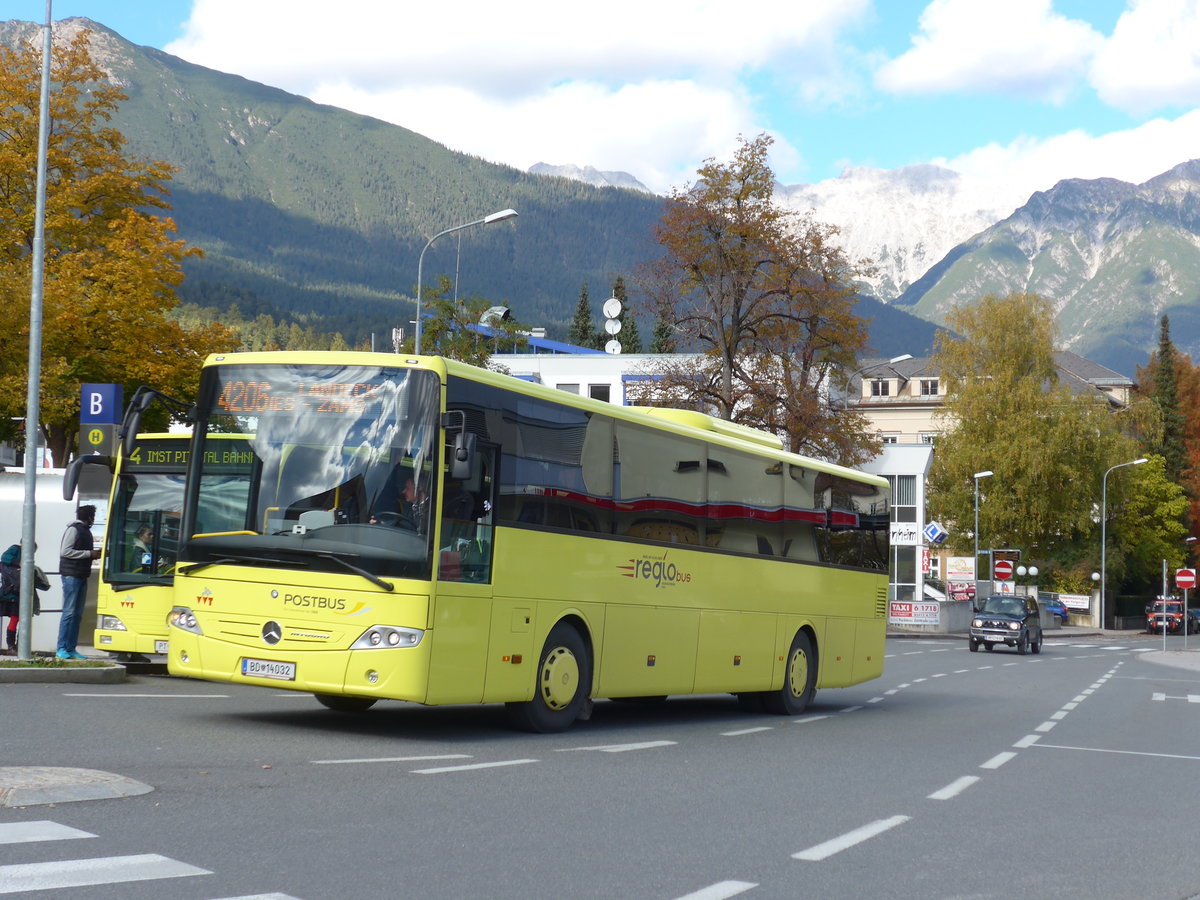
(75, 565)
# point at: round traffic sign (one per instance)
(1185, 579)
(1003, 569)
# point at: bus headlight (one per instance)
(387, 637)
(184, 619)
(110, 623)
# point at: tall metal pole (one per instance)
(975, 564)
(33, 412)
(486, 220)
(1104, 531)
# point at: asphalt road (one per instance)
(956, 775)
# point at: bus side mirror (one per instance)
(463, 463)
(71, 476)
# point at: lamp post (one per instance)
(486, 220)
(988, 474)
(891, 362)
(1104, 530)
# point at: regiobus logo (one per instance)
(656, 569)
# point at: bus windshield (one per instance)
(337, 476)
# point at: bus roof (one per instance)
(703, 427)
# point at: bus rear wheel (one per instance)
(799, 680)
(345, 704)
(564, 675)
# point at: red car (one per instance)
(1172, 614)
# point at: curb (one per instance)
(40, 785)
(33, 674)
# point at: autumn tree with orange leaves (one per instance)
(768, 300)
(112, 262)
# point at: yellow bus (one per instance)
(135, 591)
(423, 530)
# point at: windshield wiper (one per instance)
(275, 560)
(357, 570)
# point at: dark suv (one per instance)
(1005, 619)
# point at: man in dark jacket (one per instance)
(75, 564)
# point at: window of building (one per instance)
(904, 497)
(928, 437)
(929, 387)
(599, 391)
(569, 388)
(891, 438)
(880, 387)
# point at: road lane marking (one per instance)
(720, 891)
(849, 839)
(850, 709)
(1119, 752)
(492, 765)
(262, 897)
(1060, 715)
(1045, 726)
(43, 830)
(875, 700)
(150, 696)
(808, 719)
(67, 873)
(742, 731)
(954, 788)
(620, 748)
(388, 759)
(1028, 741)
(998, 760)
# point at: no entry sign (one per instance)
(1185, 579)
(1003, 570)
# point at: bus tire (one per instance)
(564, 675)
(345, 704)
(799, 680)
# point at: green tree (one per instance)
(582, 332)
(455, 329)
(1007, 412)
(767, 298)
(111, 263)
(662, 339)
(1166, 402)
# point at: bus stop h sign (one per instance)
(1003, 570)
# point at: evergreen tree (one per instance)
(1166, 400)
(663, 338)
(582, 332)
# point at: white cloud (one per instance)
(1020, 46)
(1009, 174)
(1152, 60)
(650, 88)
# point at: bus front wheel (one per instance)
(799, 680)
(345, 704)
(564, 675)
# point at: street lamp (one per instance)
(988, 474)
(1104, 531)
(891, 362)
(486, 220)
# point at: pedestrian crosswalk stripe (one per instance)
(15, 879)
(29, 832)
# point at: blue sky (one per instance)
(1023, 92)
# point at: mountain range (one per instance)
(312, 211)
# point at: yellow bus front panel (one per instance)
(133, 621)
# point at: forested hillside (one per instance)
(305, 209)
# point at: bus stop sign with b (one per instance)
(99, 415)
